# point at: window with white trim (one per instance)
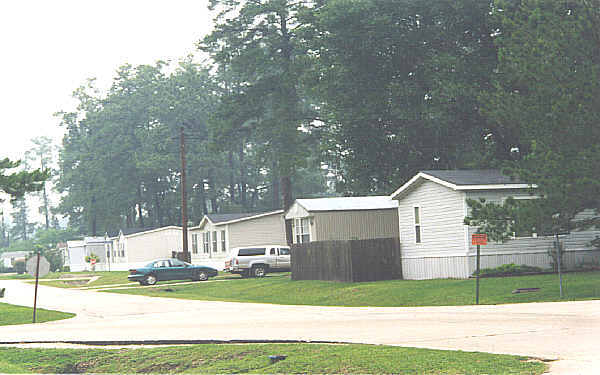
(195, 243)
(206, 242)
(223, 248)
(417, 216)
(214, 241)
(302, 230)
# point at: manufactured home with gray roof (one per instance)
(217, 234)
(343, 218)
(437, 244)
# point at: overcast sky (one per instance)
(49, 48)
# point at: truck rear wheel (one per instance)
(259, 271)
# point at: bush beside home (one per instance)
(509, 270)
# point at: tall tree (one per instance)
(42, 154)
(257, 41)
(547, 91)
(16, 184)
(398, 83)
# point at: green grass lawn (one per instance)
(253, 358)
(106, 278)
(446, 292)
(11, 314)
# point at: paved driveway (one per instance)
(568, 331)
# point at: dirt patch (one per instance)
(84, 276)
(76, 282)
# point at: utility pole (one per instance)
(186, 253)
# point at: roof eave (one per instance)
(250, 217)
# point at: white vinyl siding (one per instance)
(269, 229)
(142, 247)
(441, 216)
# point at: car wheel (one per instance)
(259, 271)
(200, 276)
(150, 280)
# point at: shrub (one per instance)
(19, 267)
(508, 269)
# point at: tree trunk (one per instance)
(139, 206)
(94, 218)
(276, 187)
(286, 190)
(231, 179)
(243, 187)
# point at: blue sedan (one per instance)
(170, 269)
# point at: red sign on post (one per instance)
(479, 239)
(93, 261)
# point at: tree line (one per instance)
(348, 97)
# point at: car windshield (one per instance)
(149, 265)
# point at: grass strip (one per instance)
(12, 314)
(254, 358)
(440, 292)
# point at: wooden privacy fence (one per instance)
(349, 261)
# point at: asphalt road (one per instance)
(568, 332)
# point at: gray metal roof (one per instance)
(348, 203)
(220, 218)
(473, 177)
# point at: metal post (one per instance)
(186, 253)
(558, 261)
(477, 275)
(37, 272)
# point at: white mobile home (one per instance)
(218, 233)
(435, 241)
(343, 218)
(136, 247)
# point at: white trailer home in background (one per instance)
(343, 218)
(217, 234)
(133, 248)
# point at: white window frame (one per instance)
(301, 232)
(214, 241)
(206, 242)
(195, 243)
(418, 224)
(223, 244)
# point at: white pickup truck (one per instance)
(257, 261)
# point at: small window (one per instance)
(195, 243)
(301, 229)
(214, 241)
(252, 251)
(206, 242)
(272, 251)
(417, 215)
(284, 251)
(223, 248)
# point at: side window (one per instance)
(284, 251)
(272, 251)
(223, 248)
(214, 241)
(417, 215)
(195, 243)
(176, 263)
(251, 251)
